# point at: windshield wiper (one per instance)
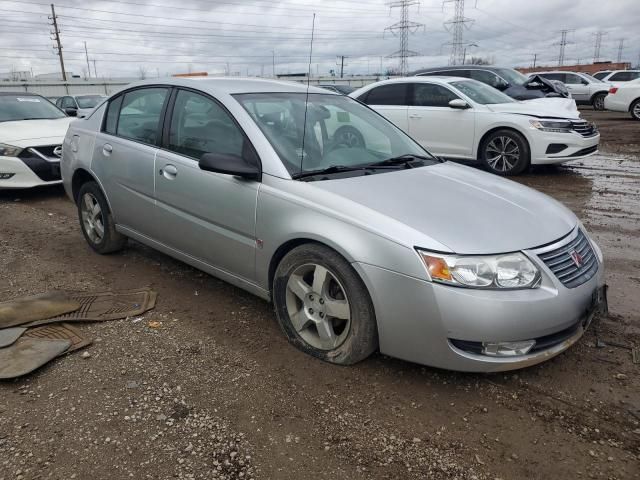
(331, 169)
(406, 160)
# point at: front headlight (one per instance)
(512, 270)
(9, 150)
(557, 126)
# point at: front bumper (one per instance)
(26, 177)
(417, 319)
(545, 145)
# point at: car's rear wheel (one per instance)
(323, 306)
(598, 101)
(635, 110)
(505, 152)
(96, 221)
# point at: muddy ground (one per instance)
(216, 391)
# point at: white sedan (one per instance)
(625, 98)
(464, 119)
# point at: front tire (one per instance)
(634, 110)
(323, 307)
(505, 152)
(598, 101)
(96, 220)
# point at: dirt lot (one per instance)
(216, 391)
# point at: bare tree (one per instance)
(142, 72)
(481, 61)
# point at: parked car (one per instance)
(625, 98)
(585, 89)
(31, 134)
(79, 105)
(342, 89)
(358, 248)
(509, 81)
(465, 119)
(617, 77)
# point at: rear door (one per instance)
(391, 100)
(442, 130)
(124, 156)
(208, 216)
(578, 87)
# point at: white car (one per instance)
(585, 89)
(617, 77)
(79, 106)
(464, 119)
(31, 133)
(625, 98)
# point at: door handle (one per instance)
(107, 149)
(169, 172)
(415, 115)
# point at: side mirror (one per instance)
(228, 165)
(502, 86)
(584, 82)
(459, 104)
(72, 112)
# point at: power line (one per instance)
(402, 29)
(456, 26)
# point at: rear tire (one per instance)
(598, 101)
(96, 220)
(634, 110)
(323, 307)
(505, 152)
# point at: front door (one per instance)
(390, 100)
(208, 216)
(578, 87)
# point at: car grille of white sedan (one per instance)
(44, 161)
(573, 263)
(584, 128)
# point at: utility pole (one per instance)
(95, 72)
(456, 26)
(273, 63)
(620, 48)
(56, 32)
(563, 43)
(598, 43)
(86, 54)
(341, 57)
(402, 29)
(535, 58)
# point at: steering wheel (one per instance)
(347, 137)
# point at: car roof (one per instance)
(230, 86)
(21, 94)
(429, 79)
(461, 67)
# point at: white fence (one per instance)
(59, 89)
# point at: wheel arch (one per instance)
(632, 102)
(601, 92)
(82, 176)
(484, 136)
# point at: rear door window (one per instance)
(113, 110)
(572, 79)
(431, 95)
(624, 76)
(140, 114)
(390, 94)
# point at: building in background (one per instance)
(590, 68)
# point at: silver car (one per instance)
(361, 239)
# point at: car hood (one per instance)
(553, 107)
(26, 133)
(466, 210)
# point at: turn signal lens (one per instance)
(437, 267)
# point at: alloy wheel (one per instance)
(636, 110)
(502, 153)
(318, 306)
(598, 103)
(92, 220)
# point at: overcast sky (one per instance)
(244, 37)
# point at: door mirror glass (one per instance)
(72, 112)
(459, 104)
(501, 85)
(228, 164)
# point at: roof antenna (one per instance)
(306, 100)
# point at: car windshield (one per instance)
(592, 78)
(28, 107)
(339, 132)
(89, 101)
(481, 93)
(514, 77)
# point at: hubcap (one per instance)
(318, 307)
(502, 153)
(598, 104)
(636, 110)
(92, 220)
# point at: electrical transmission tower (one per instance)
(598, 43)
(456, 26)
(563, 43)
(402, 29)
(620, 49)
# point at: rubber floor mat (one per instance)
(27, 354)
(27, 309)
(60, 331)
(10, 335)
(98, 307)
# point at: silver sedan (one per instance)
(361, 239)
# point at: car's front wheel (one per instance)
(96, 220)
(598, 101)
(323, 306)
(635, 110)
(505, 152)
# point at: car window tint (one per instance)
(624, 76)
(199, 125)
(431, 95)
(485, 77)
(112, 115)
(601, 75)
(554, 76)
(391, 94)
(571, 79)
(139, 117)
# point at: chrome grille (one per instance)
(561, 261)
(584, 128)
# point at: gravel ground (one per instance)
(214, 391)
